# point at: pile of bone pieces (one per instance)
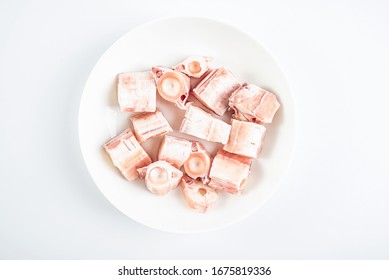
(180, 161)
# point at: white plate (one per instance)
(167, 42)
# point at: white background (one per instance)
(334, 202)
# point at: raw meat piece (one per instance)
(254, 104)
(126, 154)
(202, 125)
(198, 163)
(136, 92)
(147, 125)
(172, 85)
(245, 139)
(215, 90)
(229, 172)
(194, 66)
(197, 195)
(160, 177)
(195, 81)
(174, 150)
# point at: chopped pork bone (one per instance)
(197, 195)
(160, 177)
(201, 176)
(254, 104)
(126, 154)
(202, 125)
(172, 85)
(136, 92)
(245, 139)
(195, 81)
(174, 150)
(148, 125)
(229, 172)
(215, 90)
(194, 66)
(198, 163)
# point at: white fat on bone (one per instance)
(148, 125)
(255, 104)
(245, 139)
(198, 163)
(127, 154)
(194, 66)
(136, 92)
(172, 85)
(201, 124)
(229, 172)
(174, 150)
(215, 90)
(160, 177)
(197, 195)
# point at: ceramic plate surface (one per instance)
(167, 42)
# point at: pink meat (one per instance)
(148, 125)
(194, 66)
(203, 125)
(197, 195)
(245, 139)
(172, 85)
(127, 154)
(160, 177)
(252, 103)
(136, 92)
(198, 163)
(229, 172)
(174, 150)
(215, 90)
